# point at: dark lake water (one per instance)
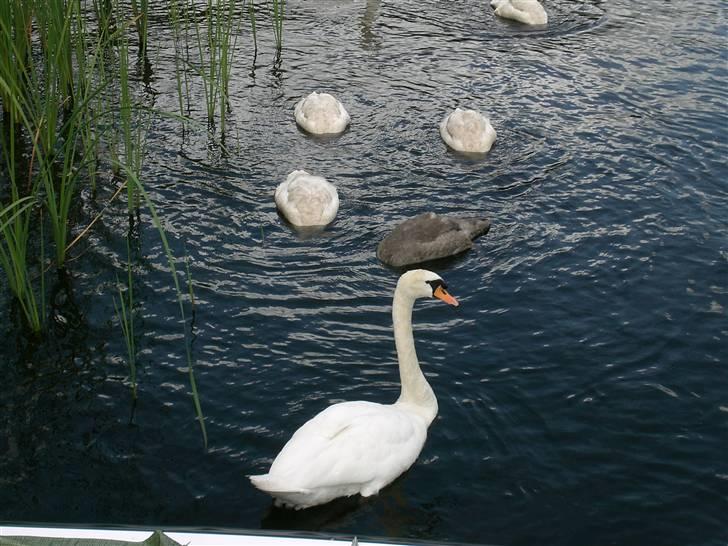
(583, 381)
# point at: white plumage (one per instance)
(530, 12)
(307, 200)
(360, 447)
(467, 131)
(320, 114)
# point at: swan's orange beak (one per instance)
(441, 294)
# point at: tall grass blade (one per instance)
(125, 314)
(251, 18)
(179, 295)
(279, 8)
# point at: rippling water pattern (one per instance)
(582, 383)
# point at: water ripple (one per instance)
(579, 382)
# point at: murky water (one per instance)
(582, 382)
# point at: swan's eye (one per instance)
(435, 284)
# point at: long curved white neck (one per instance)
(416, 391)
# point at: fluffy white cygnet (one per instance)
(467, 131)
(307, 200)
(321, 114)
(530, 12)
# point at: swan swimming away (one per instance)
(360, 447)
(530, 12)
(321, 114)
(307, 200)
(467, 131)
(430, 236)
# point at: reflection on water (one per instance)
(580, 382)
(369, 38)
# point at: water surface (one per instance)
(582, 381)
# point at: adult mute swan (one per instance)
(530, 12)
(360, 447)
(307, 200)
(467, 131)
(430, 236)
(320, 114)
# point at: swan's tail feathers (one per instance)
(283, 494)
(265, 482)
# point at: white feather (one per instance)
(307, 200)
(349, 448)
(321, 113)
(530, 12)
(467, 131)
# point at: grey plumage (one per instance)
(430, 236)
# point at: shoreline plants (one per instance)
(75, 116)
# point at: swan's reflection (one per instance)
(392, 509)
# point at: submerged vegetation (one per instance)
(75, 113)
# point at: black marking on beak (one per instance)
(434, 284)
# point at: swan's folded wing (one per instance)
(353, 442)
(425, 237)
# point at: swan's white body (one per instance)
(467, 131)
(360, 447)
(307, 200)
(320, 114)
(530, 12)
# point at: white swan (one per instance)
(321, 113)
(530, 12)
(467, 131)
(307, 200)
(360, 447)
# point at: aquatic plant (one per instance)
(140, 11)
(132, 128)
(215, 33)
(46, 110)
(15, 24)
(278, 8)
(178, 293)
(18, 200)
(215, 40)
(70, 109)
(14, 227)
(179, 18)
(251, 18)
(125, 314)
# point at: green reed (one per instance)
(69, 110)
(179, 18)
(91, 84)
(15, 26)
(190, 288)
(125, 314)
(49, 133)
(63, 120)
(278, 12)
(133, 179)
(16, 215)
(226, 42)
(54, 19)
(215, 40)
(15, 228)
(140, 12)
(251, 18)
(105, 17)
(131, 130)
